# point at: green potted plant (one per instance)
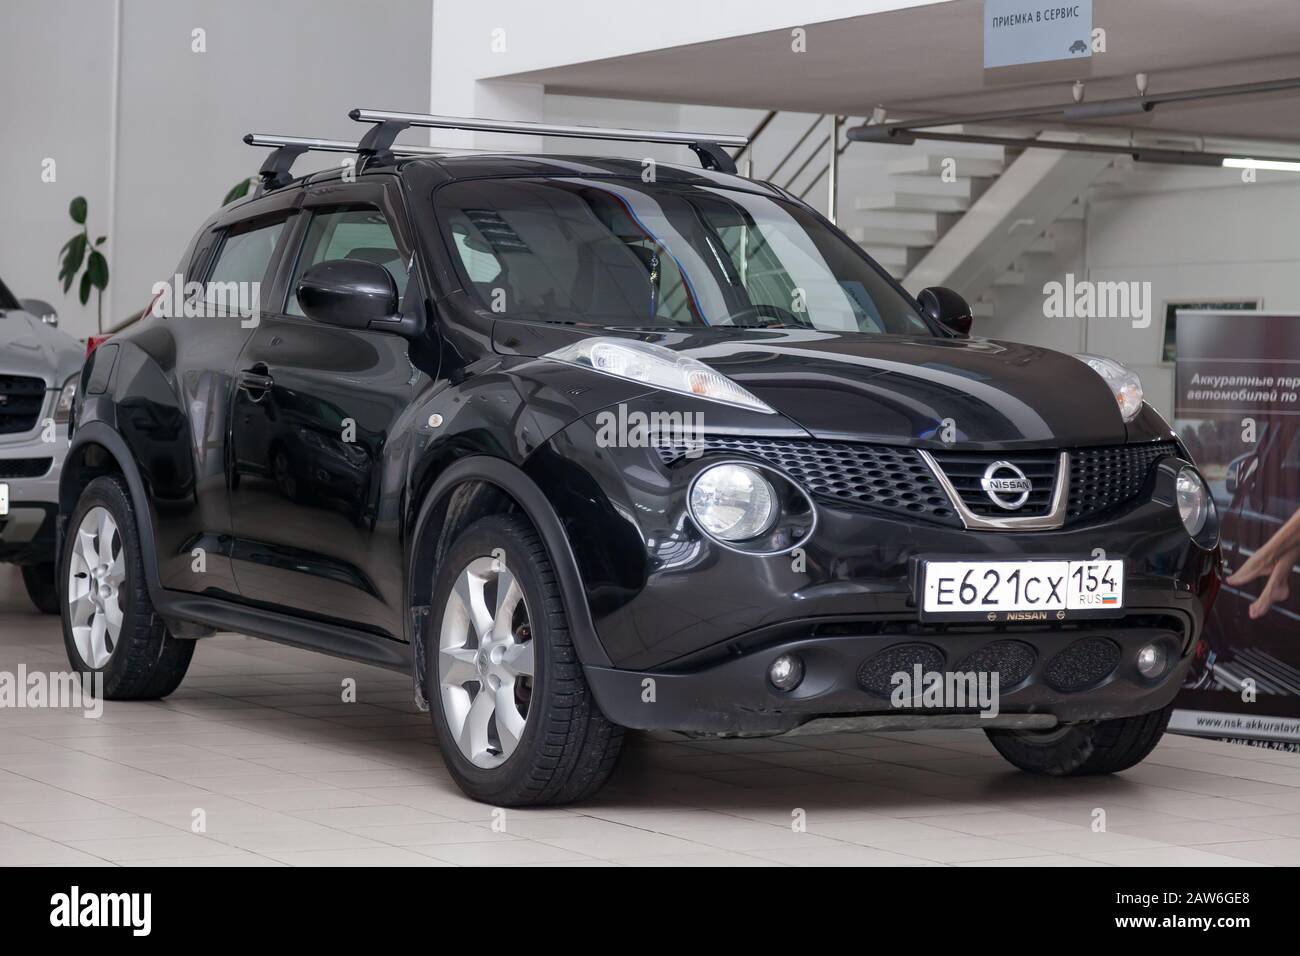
(80, 250)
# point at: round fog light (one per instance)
(785, 672)
(1151, 660)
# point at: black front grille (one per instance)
(966, 469)
(24, 467)
(21, 399)
(875, 476)
(1102, 478)
(896, 479)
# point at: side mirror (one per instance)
(41, 309)
(947, 308)
(349, 293)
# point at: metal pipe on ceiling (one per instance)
(1070, 112)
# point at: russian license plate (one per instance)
(4, 499)
(1021, 590)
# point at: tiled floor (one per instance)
(257, 760)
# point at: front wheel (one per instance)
(514, 716)
(1071, 750)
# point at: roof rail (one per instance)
(275, 171)
(377, 144)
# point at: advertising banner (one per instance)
(1237, 408)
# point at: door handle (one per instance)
(255, 383)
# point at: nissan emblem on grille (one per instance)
(1005, 490)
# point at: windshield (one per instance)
(628, 253)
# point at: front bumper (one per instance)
(31, 467)
(1084, 671)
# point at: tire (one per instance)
(1074, 750)
(144, 662)
(41, 587)
(567, 748)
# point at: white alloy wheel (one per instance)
(96, 574)
(485, 662)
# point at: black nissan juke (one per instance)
(589, 444)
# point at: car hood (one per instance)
(893, 388)
(30, 347)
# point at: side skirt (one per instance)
(333, 639)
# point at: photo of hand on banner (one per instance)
(1276, 558)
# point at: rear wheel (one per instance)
(109, 624)
(512, 710)
(1071, 750)
(41, 586)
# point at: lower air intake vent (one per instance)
(876, 675)
(1012, 661)
(24, 467)
(1083, 664)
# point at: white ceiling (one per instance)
(928, 61)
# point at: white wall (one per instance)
(55, 66)
(1194, 235)
(289, 66)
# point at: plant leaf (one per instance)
(77, 210)
(101, 240)
(85, 287)
(97, 269)
(75, 255)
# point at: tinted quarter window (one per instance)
(7, 300)
(242, 261)
(354, 233)
(625, 252)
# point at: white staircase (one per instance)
(902, 225)
(929, 186)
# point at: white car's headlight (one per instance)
(1124, 384)
(733, 502)
(1193, 500)
(67, 395)
(657, 367)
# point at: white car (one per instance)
(39, 367)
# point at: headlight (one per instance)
(68, 395)
(1124, 384)
(658, 367)
(1193, 500)
(733, 502)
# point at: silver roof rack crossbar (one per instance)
(275, 170)
(378, 141)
